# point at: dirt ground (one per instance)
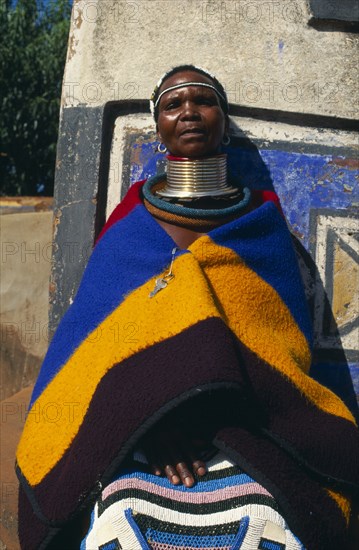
(13, 411)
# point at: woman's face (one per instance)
(191, 122)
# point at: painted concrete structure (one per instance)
(294, 95)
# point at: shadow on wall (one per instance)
(335, 374)
(330, 369)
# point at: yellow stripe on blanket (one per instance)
(343, 503)
(260, 319)
(141, 322)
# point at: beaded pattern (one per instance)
(225, 510)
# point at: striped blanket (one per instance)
(225, 510)
(233, 316)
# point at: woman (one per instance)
(190, 418)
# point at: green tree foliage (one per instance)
(33, 44)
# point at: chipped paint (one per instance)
(52, 287)
(350, 163)
(76, 23)
(280, 49)
(77, 13)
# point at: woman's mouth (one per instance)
(193, 131)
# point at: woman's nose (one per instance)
(190, 111)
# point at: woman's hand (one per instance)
(176, 455)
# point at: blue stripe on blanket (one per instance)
(199, 487)
(266, 544)
(190, 541)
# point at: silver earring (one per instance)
(159, 150)
(226, 140)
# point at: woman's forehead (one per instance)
(182, 77)
(189, 90)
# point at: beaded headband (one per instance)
(184, 84)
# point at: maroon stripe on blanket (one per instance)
(310, 434)
(31, 532)
(203, 356)
(309, 511)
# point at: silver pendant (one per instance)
(162, 282)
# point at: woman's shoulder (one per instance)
(260, 196)
(130, 200)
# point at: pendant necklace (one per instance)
(162, 282)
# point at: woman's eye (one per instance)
(206, 101)
(171, 105)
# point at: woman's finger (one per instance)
(185, 474)
(199, 467)
(167, 456)
(152, 459)
(155, 469)
(174, 454)
(172, 474)
(185, 460)
(177, 466)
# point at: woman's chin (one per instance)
(194, 150)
